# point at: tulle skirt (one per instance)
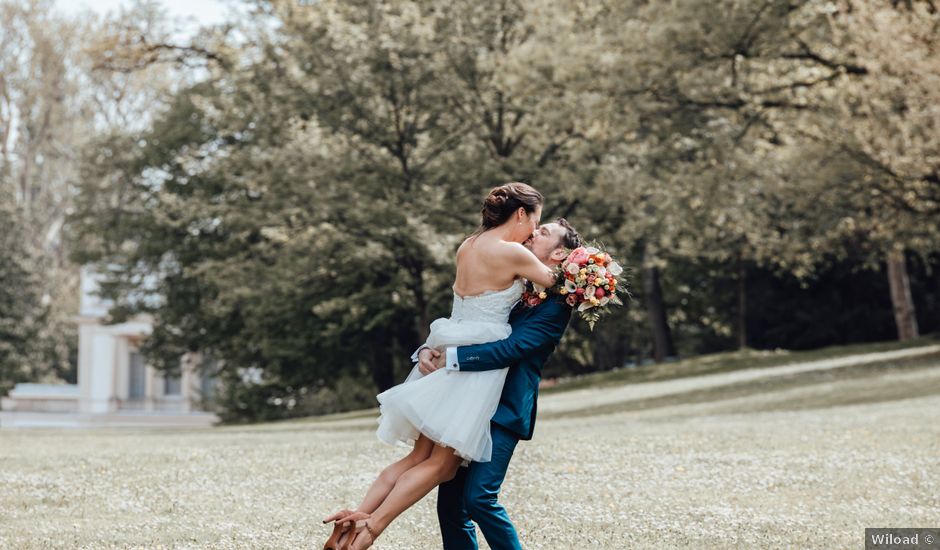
(452, 408)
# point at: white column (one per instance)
(99, 374)
(150, 391)
(188, 381)
(85, 335)
(122, 370)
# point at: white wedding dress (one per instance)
(453, 408)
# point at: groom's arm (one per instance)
(543, 329)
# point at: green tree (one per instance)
(293, 215)
(297, 215)
(20, 302)
(44, 120)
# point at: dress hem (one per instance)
(409, 414)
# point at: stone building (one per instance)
(115, 384)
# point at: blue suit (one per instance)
(472, 495)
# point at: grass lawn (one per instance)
(777, 459)
(727, 361)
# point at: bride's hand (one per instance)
(427, 359)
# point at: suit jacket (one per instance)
(535, 333)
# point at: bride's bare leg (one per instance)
(383, 484)
(411, 486)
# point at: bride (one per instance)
(446, 414)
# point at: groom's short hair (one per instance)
(570, 239)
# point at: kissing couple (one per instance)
(472, 394)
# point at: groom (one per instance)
(472, 496)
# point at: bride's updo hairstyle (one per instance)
(503, 201)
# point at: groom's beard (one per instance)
(528, 244)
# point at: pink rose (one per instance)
(599, 293)
(572, 299)
(579, 256)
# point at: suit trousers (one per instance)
(472, 496)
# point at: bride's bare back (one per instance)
(486, 262)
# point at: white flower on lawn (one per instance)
(615, 269)
(573, 268)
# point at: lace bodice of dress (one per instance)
(492, 306)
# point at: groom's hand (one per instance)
(429, 360)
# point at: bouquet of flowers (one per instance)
(587, 279)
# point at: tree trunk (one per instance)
(383, 367)
(905, 315)
(742, 302)
(662, 336)
(423, 319)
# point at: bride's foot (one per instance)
(342, 529)
(339, 515)
(348, 529)
(364, 535)
(332, 543)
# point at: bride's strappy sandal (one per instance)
(344, 527)
(332, 543)
(340, 528)
(361, 529)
